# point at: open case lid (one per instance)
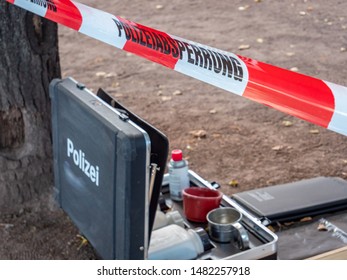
(159, 151)
(101, 166)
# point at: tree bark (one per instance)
(29, 60)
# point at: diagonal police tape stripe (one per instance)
(293, 93)
(28, 5)
(311, 99)
(147, 47)
(64, 11)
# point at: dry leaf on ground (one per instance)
(314, 131)
(244, 47)
(177, 92)
(198, 133)
(287, 123)
(213, 111)
(166, 98)
(233, 183)
(100, 74)
(260, 40)
(294, 69)
(277, 148)
(322, 227)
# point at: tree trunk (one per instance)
(29, 60)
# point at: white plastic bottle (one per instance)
(178, 175)
(172, 217)
(176, 243)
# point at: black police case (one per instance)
(101, 166)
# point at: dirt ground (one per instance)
(245, 142)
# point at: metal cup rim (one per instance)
(223, 224)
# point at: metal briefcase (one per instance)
(102, 162)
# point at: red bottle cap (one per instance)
(176, 155)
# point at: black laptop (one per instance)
(292, 201)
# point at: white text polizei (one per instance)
(78, 156)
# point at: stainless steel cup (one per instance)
(224, 226)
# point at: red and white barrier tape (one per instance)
(311, 99)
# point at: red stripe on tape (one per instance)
(10, 1)
(64, 12)
(149, 43)
(290, 92)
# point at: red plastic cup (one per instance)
(197, 202)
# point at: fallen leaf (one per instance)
(177, 92)
(233, 183)
(198, 133)
(287, 123)
(306, 219)
(213, 111)
(321, 227)
(260, 40)
(244, 47)
(166, 98)
(235, 128)
(159, 7)
(115, 84)
(302, 13)
(344, 161)
(290, 53)
(243, 8)
(289, 224)
(277, 148)
(83, 241)
(343, 49)
(100, 74)
(294, 69)
(271, 228)
(314, 131)
(110, 75)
